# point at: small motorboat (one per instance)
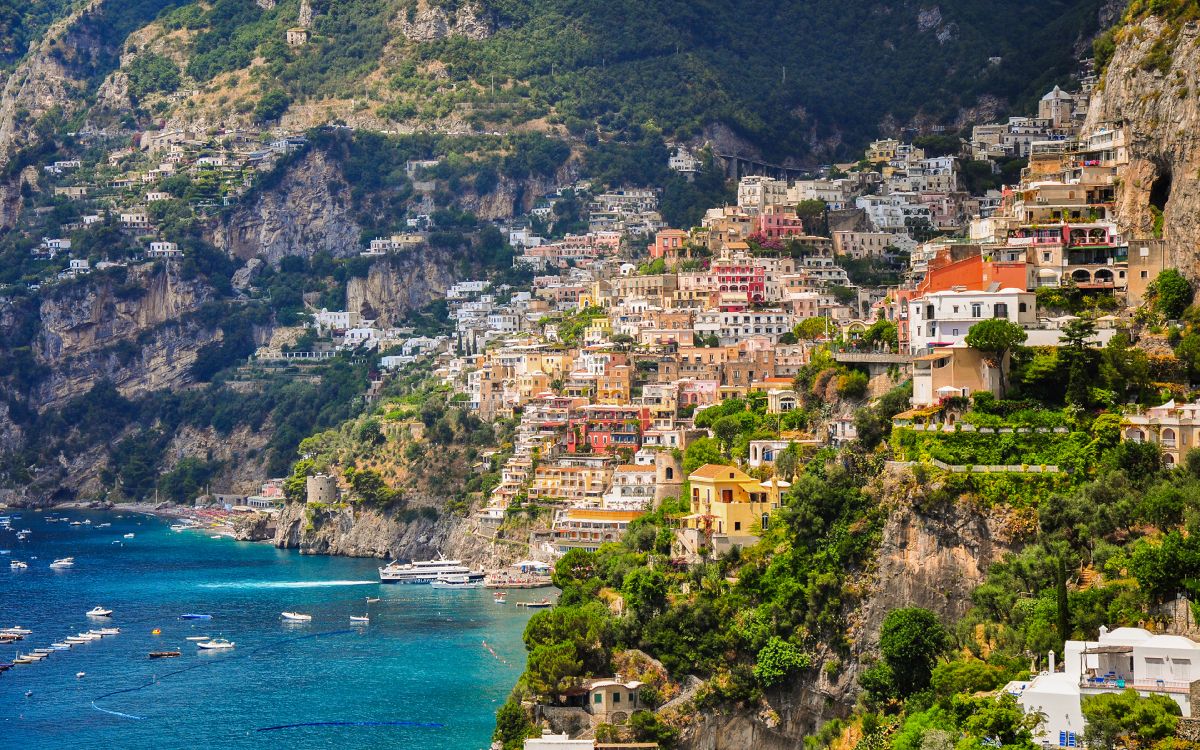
(77, 523)
(75, 640)
(216, 644)
(63, 562)
(43, 651)
(103, 525)
(295, 617)
(35, 656)
(18, 565)
(99, 611)
(500, 597)
(543, 604)
(80, 675)
(60, 646)
(192, 616)
(198, 638)
(22, 659)
(163, 654)
(129, 535)
(17, 630)
(372, 599)
(109, 631)
(364, 619)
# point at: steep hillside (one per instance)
(1152, 85)
(783, 81)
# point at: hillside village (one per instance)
(639, 363)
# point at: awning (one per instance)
(1109, 650)
(1047, 273)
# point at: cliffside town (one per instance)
(898, 451)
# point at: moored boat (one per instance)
(129, 535)
(163, 654)
(63, 562)
(363, 619)
(216, 644)
(295, 617)
(536, 605)
(18, 565)
(99, 611)
(192, 616)
(426, 571)
(457, 581)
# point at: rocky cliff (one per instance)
(1151, 89)
(358, 531)
(401, 283)
(306, 212)
(932, 555)
(133, 331)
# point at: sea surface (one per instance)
(429, 671)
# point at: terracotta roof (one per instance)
(720, 471)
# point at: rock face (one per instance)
(929, 557)
(428, 23)
(134, 333)
(1160, 112)
(401, 283)
(356, 531)
(306, 213)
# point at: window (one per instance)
(766, 520)
(1145, 274)
(976, 310)
(1023, 307)
(616, 697)
(727, 496)
(1001, 310)
(599, 698)
(737, 525)
(670, 473)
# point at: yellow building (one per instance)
(727, 501)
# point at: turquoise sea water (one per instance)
(438, 663)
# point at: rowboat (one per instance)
(295, 617)
(163, 654)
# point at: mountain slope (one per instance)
(803, 81)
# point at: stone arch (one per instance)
(1081, 276)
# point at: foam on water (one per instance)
(283, 584)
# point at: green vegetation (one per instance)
(150, 73)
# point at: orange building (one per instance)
(669, 244)
(973, 274)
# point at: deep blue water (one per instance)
(422, 659)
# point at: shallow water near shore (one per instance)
(429, 671)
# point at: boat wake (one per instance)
(283, 584)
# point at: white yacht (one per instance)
(295, 617)
(216, 644)
(63, 562)
(426, 572)
(99, 611)
(18, 565)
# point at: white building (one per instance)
(632, 488)
(550, 741)
(163, 249)
(755, 192)
(1121, 659)
(944, 318)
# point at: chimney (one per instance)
(1051, 661)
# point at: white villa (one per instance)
(1122, 658)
